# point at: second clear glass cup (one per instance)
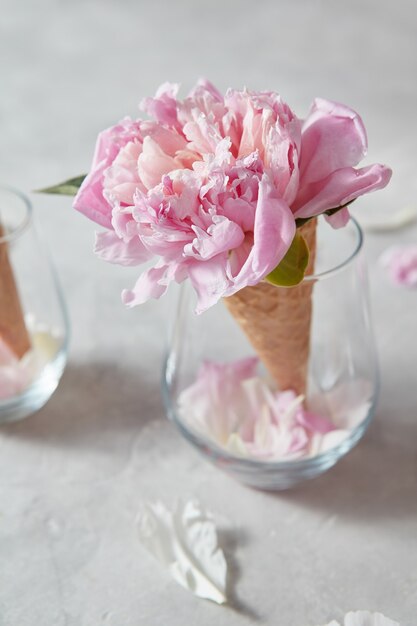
(33, 318)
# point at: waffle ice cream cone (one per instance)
(12, 324)
(277, 321)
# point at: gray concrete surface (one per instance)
(72, 477)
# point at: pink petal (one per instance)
(209, 281)
(150, 284)
(205, 86)
(109, 247)
(282, 402)
(154, 163)
(333, 137)
(339, 188)
(222, 236)
(163, 107)
(238, 256)
(252, 131)
(7, 356)
(282, 159)
(401, 264)
(89, 199)
(314, 423)
(202, 134)
(121, 179)
(12, 381)
(15, 374)
(170, 141)
(338, 219)
(298, 440)
(240, 212)
(123, 222)
(274, 230)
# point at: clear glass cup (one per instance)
(342, 378)
(33, 317)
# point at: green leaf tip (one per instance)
(67, 188)
(290, 271)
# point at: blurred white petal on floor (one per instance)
(364, 618)
(185, 542)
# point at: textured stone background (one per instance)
(72, 477)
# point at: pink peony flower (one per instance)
(212, 185)
(401, 264)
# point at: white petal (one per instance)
(365, 618)
(185, 542)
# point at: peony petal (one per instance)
(365, 618)
(109, 247)
(340, 188)
(281, 158)
(153, 163)
(7, 356)
(202, 134)
(240, 212)
(209, 281)
(90, 199)
(222, 236)
(234, 408)
(17, 374)
(203, 87)
(274, 230)
(149, 285)
(213, 399)
(338, 219)
(163, 107)
(333, 137)
(401, 264)
(314, 422)
(185, 542)
(169, 140)
(252, 134)
(121, 179)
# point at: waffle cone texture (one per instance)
(277, 322)
(12, 324)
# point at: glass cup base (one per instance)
(36, 395)
(263, 475)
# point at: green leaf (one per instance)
(67, 188)
(290, 271)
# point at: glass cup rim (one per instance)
(16, 232)
(343, 264)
